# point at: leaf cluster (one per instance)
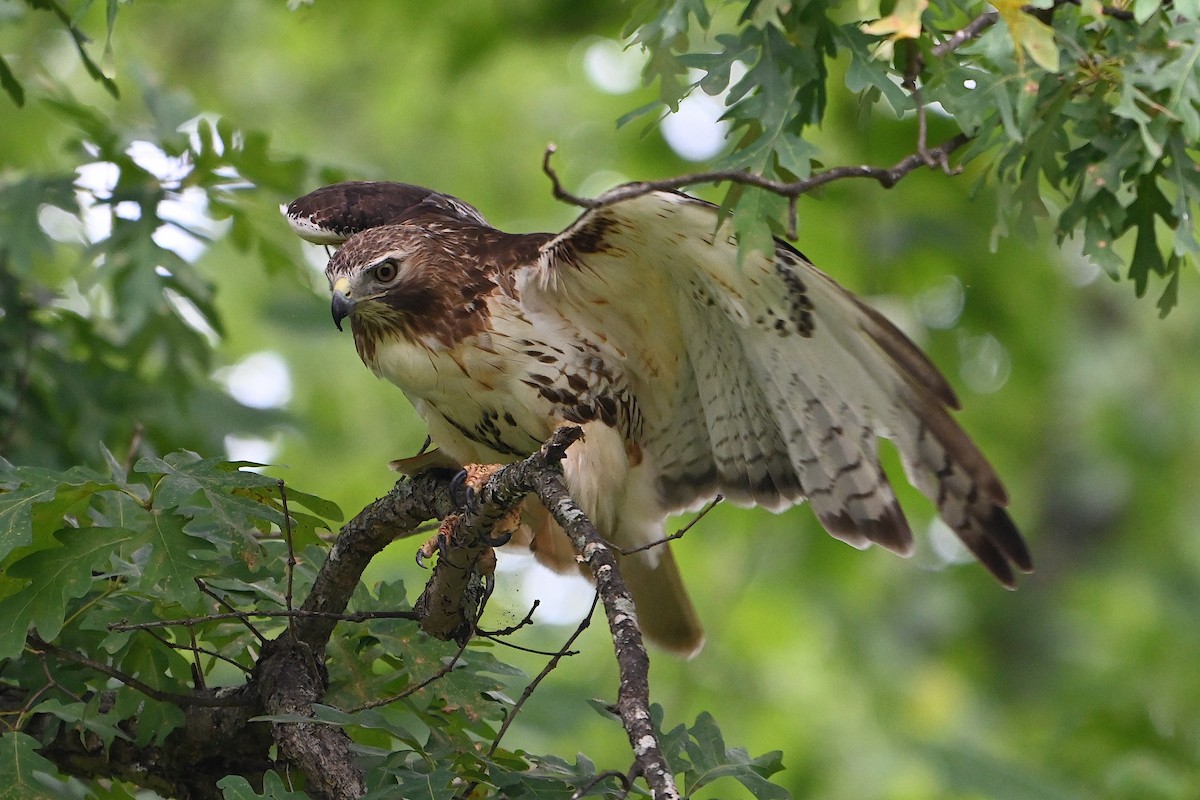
(109, 323)
(1082, 113)
(87, 553)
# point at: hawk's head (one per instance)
(374, 278)
(421, 283)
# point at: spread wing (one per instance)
(767, 381)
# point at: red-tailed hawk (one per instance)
(692, 374)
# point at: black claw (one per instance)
(497, 541)
(443, 546)
(460, 492)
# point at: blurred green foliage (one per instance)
(143, 263)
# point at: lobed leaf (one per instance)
(54, 577)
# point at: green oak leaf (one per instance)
(55, 576)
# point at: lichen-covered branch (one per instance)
(399, 513)
(289, 682)
(633, 696)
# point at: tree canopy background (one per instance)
(876, 677)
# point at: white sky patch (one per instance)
(696, 131)
(192, 129)
(150, 157)
(98, 177)
(127, 209)
(179, 242)
(1081, 271)
(613, 68)
(316, 256)
(60, 225)
(946, 545)
(260, 380)
(1079, 267)
(902, 314)
(192, 227)
(189, 226)
(97, 181)
(250, 448)
(565, 598)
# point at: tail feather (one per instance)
(664, 609)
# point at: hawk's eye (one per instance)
(386, 272)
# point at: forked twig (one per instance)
(887, 177)
(446, 669)
(550, 665)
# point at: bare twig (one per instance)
(511, 629)
(197, 667)
(550, 665)
(965, 34)
(195, 648)
(887, 177)
(36, 643)
(222, 602)
(354, 616)
(290, 566)
(626, 783)
(531, 650)
(679, 534)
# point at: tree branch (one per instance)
(400, 513)
(887, 177)
(289, 682)
(633, 696)
(542, 474)
(971, 30)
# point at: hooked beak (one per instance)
(343, 306)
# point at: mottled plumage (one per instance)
(692, 374)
